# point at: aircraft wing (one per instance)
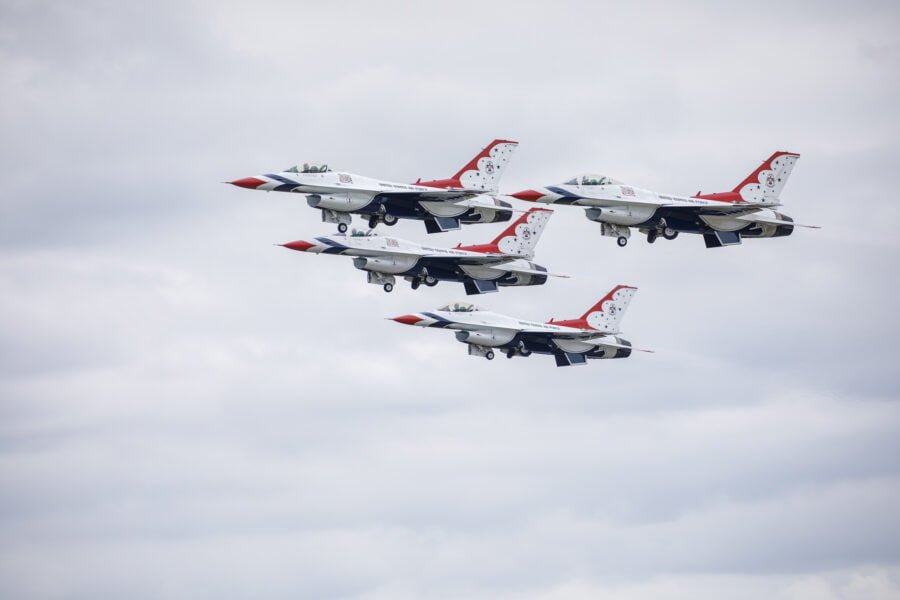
(486, 259)
(687, 208)
(476, 202)
(543, 336)
(706, 209)
(382, 252)
(435, 194)
(440, 204)
(586, 335)
(566, 334)
(603, 342)
(607, 202)
(529, 271)
(753, 218)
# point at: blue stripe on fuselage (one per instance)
(567, 196)
(441, 321)
(286, 184)
(334, 247)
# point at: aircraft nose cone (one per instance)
(407, 319)
(299, 245)
(529, 195)
(251, 183)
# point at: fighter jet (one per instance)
(443, 204)
(571, 342)
(506, 261)
(723, 218)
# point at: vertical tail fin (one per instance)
(520, 238)
(766, 182)
(482, 172)
(606, 315)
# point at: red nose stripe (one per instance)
(251, 183)
(530, 195)
(299, 246)
(408, 319)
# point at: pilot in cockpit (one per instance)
(308, 168)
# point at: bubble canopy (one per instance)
(592, 179)
(308, 168)
(458, 307)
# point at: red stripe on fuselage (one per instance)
(482, 248)
(441, 183)
(721, 197)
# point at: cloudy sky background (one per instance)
(187, 410)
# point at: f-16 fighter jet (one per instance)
(443, 204)
(571, 342)
(723, 218)
(506, 261)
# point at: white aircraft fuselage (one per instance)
(481, 268)
(722, 218)
(444, 204)
(571, 342)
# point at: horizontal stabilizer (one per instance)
(752, 218)
(604, 342)
(477, 202)
(514, 269)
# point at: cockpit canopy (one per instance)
(591, 179)
(362, 233)
(458, 307)
(308, 168)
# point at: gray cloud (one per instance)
(188, 410)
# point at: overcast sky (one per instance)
(187, 410)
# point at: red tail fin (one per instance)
(762, 185)
(520, 238)
(606, 314)
(482, 172)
